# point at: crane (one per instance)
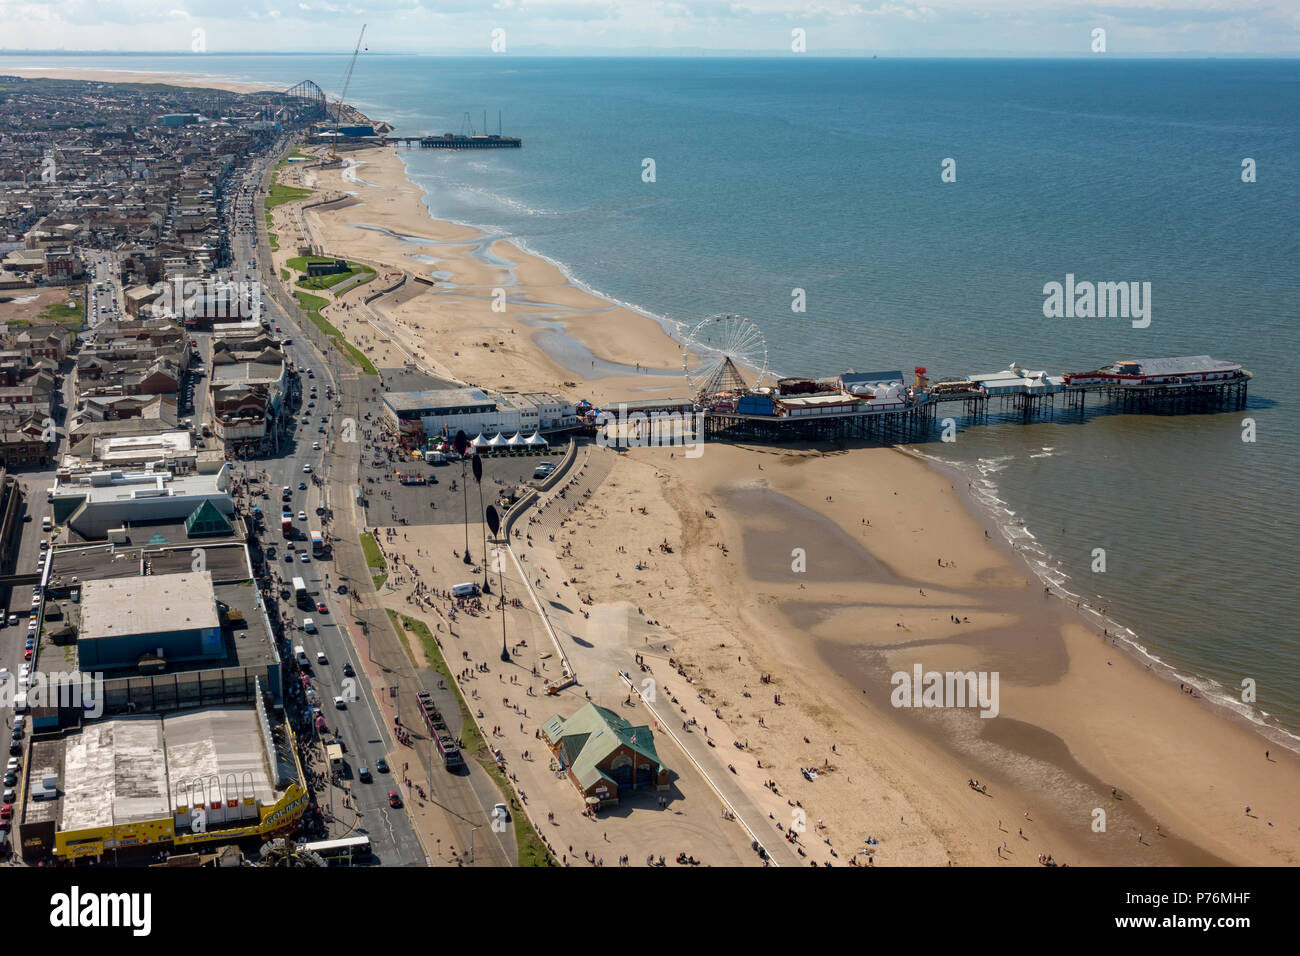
(338, 113)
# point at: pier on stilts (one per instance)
(882, 410)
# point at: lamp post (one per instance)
(478, 480)
(494, 522)
(462, 444)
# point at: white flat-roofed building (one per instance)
(545, 411)
(93, 503)
(444, 411)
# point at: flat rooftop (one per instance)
(153, 604)
(128, 769)
(129, 485)
(1184, 365)
(433, 399)
(249, 373)
(227, 564)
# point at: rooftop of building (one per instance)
(137, 767)
(152, 604)
(119, 485)
(434, 399)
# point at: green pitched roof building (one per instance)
(604, 754)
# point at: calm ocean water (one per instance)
(824, 175)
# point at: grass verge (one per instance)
(312, 304)
(532, 852)
(374, 559)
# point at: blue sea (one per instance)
(773, 175)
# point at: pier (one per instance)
(884, 410)
(455, 141)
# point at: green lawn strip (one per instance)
(532, 852)
(281, 194)
(312, 304)
(63, 313)
(370, 548)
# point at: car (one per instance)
(6, 811)
(381, 765)
(302, 516)
(306, 558)
(9, 795)
(11, 778)
(306, 420)
(340, 703)
(16, 733)
(315, 446)
(500, 812)
(306, 468)
(321, 658)
(27, 516)
(13, 619)
(347, 669)
(302, 486)
(311, 404)
(394, 799)
(16, 747)
(321, 608)
(27, 654)
(364, 775)
(321, 431)
(288, 557)
(309, 625)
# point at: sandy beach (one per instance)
(829, 569)
(135, 76)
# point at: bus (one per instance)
(317, 545)
(300, 595)
(340, 852)
(286, 526)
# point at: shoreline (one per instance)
(1069, 687)
(1218, 701)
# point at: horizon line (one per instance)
(542, 52)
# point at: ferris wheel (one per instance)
(724, 354)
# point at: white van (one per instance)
(46, 523)
(300, 654)
(464, 590)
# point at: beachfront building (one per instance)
(94, 504)
(604, 755)
(439, 412)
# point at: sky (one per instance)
(614, 27)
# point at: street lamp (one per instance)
(478, 480)
(461, 444)
(494, 522)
